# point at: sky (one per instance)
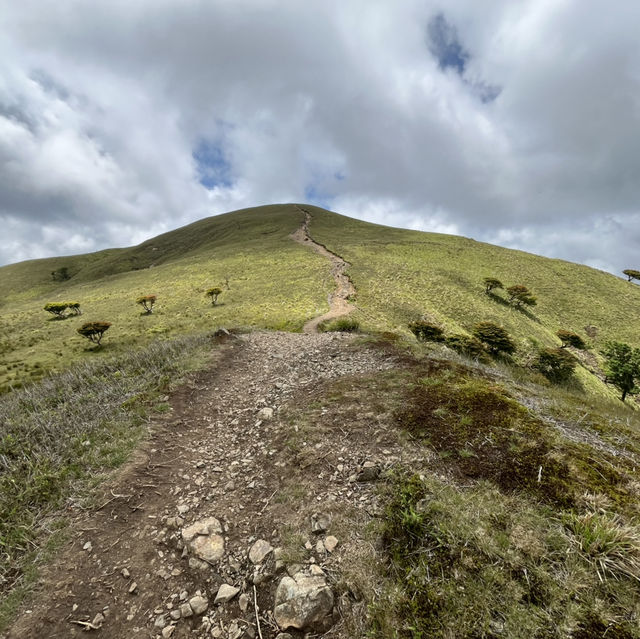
(515, 122)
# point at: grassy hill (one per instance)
(274, 283)
(519, 507)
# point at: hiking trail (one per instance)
(339, 299)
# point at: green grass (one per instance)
(475, 562)
(273, 283)
(69, 429)
(401, 276)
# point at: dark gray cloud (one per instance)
(510, 122)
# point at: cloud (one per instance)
(508, 122)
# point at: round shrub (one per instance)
(571, 339)
(426, 332)
(555, 364)
(494, 337)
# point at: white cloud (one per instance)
(102, 106)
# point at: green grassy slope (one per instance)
(400, 275)
(273, 283)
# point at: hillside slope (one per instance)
(272, 282)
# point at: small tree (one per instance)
(519, 295)
(494, 337)
(56, 308)
(213, 294)
(555, 364)
(622, 367)
(61, 274)
(571, 339)
(426, 332)
(631, 274)
(490, 283)
(147, 302)
(94, 331)
(74, 307)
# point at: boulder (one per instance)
(303, 602)
(204, 539)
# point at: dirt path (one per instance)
(227, 450)
(339, 304)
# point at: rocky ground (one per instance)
(228, 521)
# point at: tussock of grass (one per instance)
(340, 325)
(613, 546)
(71, 426)
(477, 563)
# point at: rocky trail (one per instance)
(339, 299)
(228, 520)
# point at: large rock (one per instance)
(204, 539)
(259, 551)
(303, 602)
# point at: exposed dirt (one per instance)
(339, 303)
(212, 456)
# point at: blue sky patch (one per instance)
(445, 46)
(213, 167)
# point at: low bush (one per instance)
(94, 331)
(495, 338)
(147, 302)
(340, 325)
(426, 332)
(571, 339)
(556, 364)
(466, 345)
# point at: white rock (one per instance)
(259, 551)
(198, 604)
(330, 543)
(265, 414)
(226, 593)
(303, 602)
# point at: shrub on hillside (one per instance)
(94, 331)
(213, 294)
(426, 332)
(520, 295)
(622, 367)
(490, 283)
(571, 339)
(57, 309)
(556, 364)
(340, 325)
(631, 274)
(147, 302)
(494, 337)
(466, 345)
(61, 274)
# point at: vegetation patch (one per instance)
(478, 427)
(70, 427)
(341, 325)
(475, 562)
